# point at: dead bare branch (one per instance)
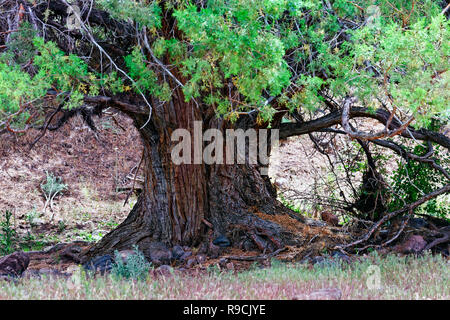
(408, 208)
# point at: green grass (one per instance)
(425, 277)
(7, 234)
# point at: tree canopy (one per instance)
(238, 56)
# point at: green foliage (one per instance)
(146, 13)
(412, 180)
(175, 49)
(31, 217)
(286, 48)
(145, 79)
(15, 87)
(410, 58)
(8, 235)
(53, 185)
(67, 73)
(230, 41)
(296, 208)
(136, 266)
(20, 47)
(61, 226)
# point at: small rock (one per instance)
(414, 244)
(317, 259)
(159, 253)
(222, 241)
(177, 252)
(201, 258)
(185, 256)
(203, 249)
(326, 294)
(314, 222)
(72, 269)
(305, 260)
(191, 262)
(101, 264)
(329, 218)
(164, 270)
(213, 251)
(280, 182)
(417, 223)
(340, 256)
(14, 264)
(125, 254)
(38, 222)
(223, 262)
(31, 273)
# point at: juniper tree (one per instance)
(232, 64)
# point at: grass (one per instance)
(7, 234)
(425, 277)
(136, 266)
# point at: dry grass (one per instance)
(424, 277)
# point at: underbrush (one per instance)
(372, 277)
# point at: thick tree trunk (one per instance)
(179, 203)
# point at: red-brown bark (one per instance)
(180, 203)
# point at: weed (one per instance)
(8, 235)
(61, 226)
(31, 217)
(136, 266)
(86, 236)
(110, 224)
(51, 188)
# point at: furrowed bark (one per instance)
(177, 199)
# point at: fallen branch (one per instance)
(408, 208)
(437, 241)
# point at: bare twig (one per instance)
(369, 136)
(408, 208)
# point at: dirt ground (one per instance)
(92, 165)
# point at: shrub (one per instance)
(51, 188)
(7, 235)
(31, 217)
(135, 267)
(412, 180)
